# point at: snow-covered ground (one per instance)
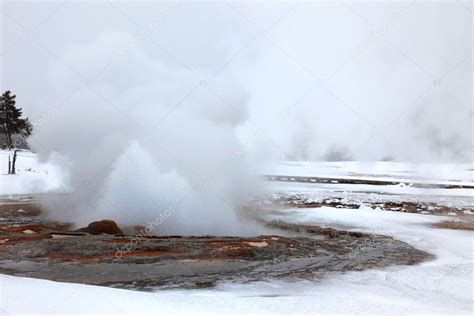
(443, 285)
(32, 176)
(379, 170)
(433, 173)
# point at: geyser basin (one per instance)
(52, 251)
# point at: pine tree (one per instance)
(11, 122)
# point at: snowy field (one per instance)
(443, 285)
(433, 173)
(32, 175)
(441, 173)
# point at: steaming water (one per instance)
(147, 127)
(148, 154)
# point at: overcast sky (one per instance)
(315, 80)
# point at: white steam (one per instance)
(170, 114)
(146, 138)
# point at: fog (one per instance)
(147, 151)
(168, 109)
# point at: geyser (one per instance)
(146, 141)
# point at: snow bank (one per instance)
(32, 176)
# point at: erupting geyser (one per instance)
(147, 140)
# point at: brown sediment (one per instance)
(12, 240)
(122, 241)
(404, 207)
(19, 209)
(378, 182)
(455, 225)
(35, 228)
(148, 253)
(52, 251)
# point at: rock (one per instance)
(105, 226)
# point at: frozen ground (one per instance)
(443, 285)
(381, 170)
(32, 176)
(369, 193)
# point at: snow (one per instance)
(367, 188)
(32, 175)
(369, 193)
(443, 285)
(446, 173)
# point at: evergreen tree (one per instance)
(11, 122)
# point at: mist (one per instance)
(170, 108)
(149, 153)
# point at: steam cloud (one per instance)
(145, 134)
(160, 144)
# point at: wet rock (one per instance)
(33, 247)
(105, 226)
